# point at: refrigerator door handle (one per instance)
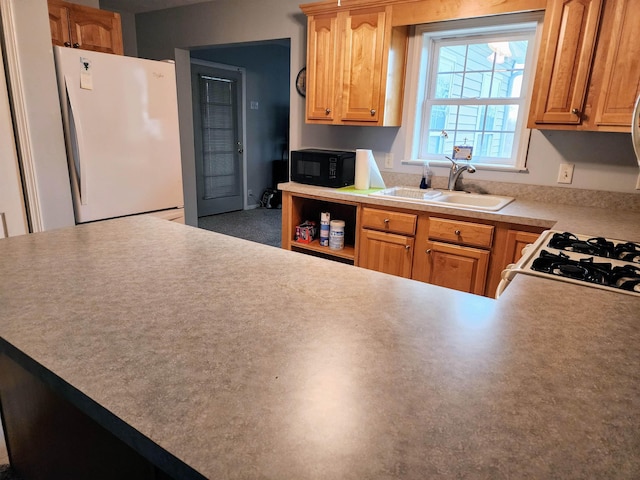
(75, 130)
(635, 129)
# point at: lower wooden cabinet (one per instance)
(454, 266)
(516, 241)
(452, 252)
(386, 252)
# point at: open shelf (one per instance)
(348, 252)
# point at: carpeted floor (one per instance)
(261, 225)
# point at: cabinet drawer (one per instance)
(466, 233)
(404, 223)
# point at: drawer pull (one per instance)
(386, 221)
(457, 232)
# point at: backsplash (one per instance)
(539, 193)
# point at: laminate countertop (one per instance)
(246, 361)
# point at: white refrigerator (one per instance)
(120, 118)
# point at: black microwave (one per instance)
(325, 168)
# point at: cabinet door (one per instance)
(453, 266)
(569, 38)
(516, 241)
(386, 252)
(94, 29)
(322, 59)
(59, 24)
(363, 64)
(621, 77)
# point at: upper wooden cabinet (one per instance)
(84, 27)
(355, 67)
(588, 74)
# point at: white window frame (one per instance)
(419, 56)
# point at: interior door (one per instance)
(217, 112)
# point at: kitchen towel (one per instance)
(367, 171)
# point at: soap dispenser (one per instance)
(426, 177)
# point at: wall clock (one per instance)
(301, 82)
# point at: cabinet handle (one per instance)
(428, 251)
(373, 112)
(386, 221)
(67, 44)
(457, 232)
(407, 247)
(575, 111)
(327, 111)
(76, 45)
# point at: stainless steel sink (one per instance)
(474, 201)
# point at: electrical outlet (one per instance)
(565, 173)
(388, 160)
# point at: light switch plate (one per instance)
(565, 173)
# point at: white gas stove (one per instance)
(590, 261)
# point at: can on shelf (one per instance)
(336, 234)
(325, 218)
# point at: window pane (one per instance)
(471, 117)
(452, 58)
(473, 93)
(476, 85)
(449, 85)
(501, 118)
(479, 57)
(498, 145)
(467, 138)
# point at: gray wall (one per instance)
(602, 161)
(267, 83)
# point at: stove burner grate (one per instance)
(625, 277)
(596, 246)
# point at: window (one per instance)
(472, 89)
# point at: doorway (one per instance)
(218, 137)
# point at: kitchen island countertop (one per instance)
(248, 361)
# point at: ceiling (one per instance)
(139, 6)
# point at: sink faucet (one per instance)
(456, 171)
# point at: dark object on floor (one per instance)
(7, 473)
(268, 199)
